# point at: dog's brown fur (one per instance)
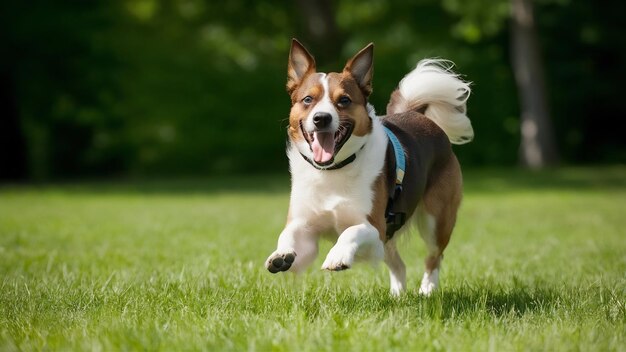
(433, 174)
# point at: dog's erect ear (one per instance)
(361, 68)
(300, 63)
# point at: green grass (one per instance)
(537, 262)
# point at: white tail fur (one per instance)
(434, 83)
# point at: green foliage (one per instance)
(478, 18)
(154, 87)
(536, 263)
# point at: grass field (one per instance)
(537, 262)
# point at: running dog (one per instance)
(360, 177)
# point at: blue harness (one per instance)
(395, 220)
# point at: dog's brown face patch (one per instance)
(342, 85)
(309, 86)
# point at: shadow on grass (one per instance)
(493, 301)
(499, 302)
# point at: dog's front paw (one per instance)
(338, 259)
(280, 261)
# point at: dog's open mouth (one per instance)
(325, 145)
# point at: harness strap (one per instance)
(399, 153)
(395, 220)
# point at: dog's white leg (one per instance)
(306, 247)
(360, 241)
(296, 248)
(427, 228)
(397, 270)
(430, 282)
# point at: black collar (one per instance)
(339, 165)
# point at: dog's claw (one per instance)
(278, 262)
(339, 267)
(339, 258)
(342, 267)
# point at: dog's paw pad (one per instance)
(278, 262)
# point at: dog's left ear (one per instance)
(301, 63)
(361, 68)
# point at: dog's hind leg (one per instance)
(426, 224)
(436, 218)
(397, 270)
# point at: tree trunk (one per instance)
(321, 31)
(538, 148)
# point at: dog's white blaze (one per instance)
(324, 105)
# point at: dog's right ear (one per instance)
(300, 64)
(360, 67)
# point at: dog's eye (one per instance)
(307, 100)
(344, 101)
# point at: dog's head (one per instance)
(329, 118)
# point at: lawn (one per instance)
(537, 262)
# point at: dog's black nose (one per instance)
(322, 119)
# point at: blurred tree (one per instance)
(13, 158)
(154, 87)
(63, 74)
(538, 147)
(320, 29)
(480, 19)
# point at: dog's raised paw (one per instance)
(338, 259)
(278, 262)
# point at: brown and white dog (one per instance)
(343, 164)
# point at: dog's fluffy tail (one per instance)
(435, 90)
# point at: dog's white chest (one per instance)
(343, 193)
(339, 193)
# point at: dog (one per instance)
(360, 177)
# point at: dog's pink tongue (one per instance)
(323, 146)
